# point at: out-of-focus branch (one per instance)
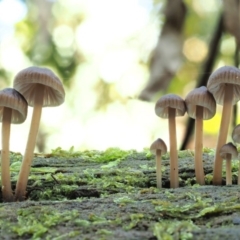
(206, 71)
(231, 11)
(236, 57)
(167, 56)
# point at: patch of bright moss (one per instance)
(171, 230)
(35, 222)
(110, 154)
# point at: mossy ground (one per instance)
(112, 195)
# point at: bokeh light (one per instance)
(107, 46)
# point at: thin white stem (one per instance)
(174, 182)
(222, 137)
(198, 146)
(159, 168)
(228, 170)
(32, 137)
(5, 162)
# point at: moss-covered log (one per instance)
(112, 195)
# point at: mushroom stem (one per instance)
(198, 146)
(222, 137)
(228, 169)
(158, 168)
(174, 183)
(5, 169)
(32, 137)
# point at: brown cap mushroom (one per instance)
(13, 109)
(170, 101)
(169, 106)
(41, 88)
(228, 151)
(158, 148)
(224, 84)
(236, 134)
(201, 105)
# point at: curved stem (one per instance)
(32, 137)
(174, 182)
(228, 170)
(158, 168)
(222, 137)
(198, 146)
(5, 169)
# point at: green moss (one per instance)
(114, 189)
(35, 222)
(111, 154)
(181, 154)
(171, 230)
(135, 219)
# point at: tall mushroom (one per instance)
(41, 88)
(159, 148)
(170, 106)
(13, 109)
(228, 151)
(201, 105)
(224, 84)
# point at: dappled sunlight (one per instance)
(102, 50)
(195, 49)
(11, 57)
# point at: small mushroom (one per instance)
(228, 151)
(170, 106)
(158, 148)
(224, 84)
(41, 88)
(201, 106)
(13, 109)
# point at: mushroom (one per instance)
(201, 105)
(236, 139)
(41, 88)
(158, 148)
(13, 109)
(224, 84)
(170, 106)
(228, 151)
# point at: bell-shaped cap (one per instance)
(170, 101)
(27, 81)
(203, 98)
(218, 80)
(227, 149)
(10, 98)
(158, 144)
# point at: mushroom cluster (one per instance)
(223, 88)
(36, 87)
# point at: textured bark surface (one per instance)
(79, 198)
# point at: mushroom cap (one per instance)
(172, 101)
(10, 98)
(228, 148)
(27, 80)
(218, 79)
(203, 98)
(236, 134)
(158, 144)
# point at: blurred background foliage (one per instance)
(102, 51)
